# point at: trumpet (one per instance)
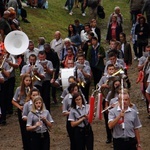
(81, 83)
(34, 77)
(2, 64)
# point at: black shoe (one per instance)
(108, 141)
(26, 21)
(3, 122)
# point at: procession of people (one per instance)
(70, 67)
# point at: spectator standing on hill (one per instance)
(135, 9)
(114, 29)
(4, 24)
(41, 42)
(78, 26)
(92, 4)
(119, 15)
(95, 29)
(141, 31)
(83, 7)
(67, 44)
(84, 33)
(126, 49)
(146, 8)
(57, 43)
(70, 6)
(134, 37)
(73, 36)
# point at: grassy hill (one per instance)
(46, 22)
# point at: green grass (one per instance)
(46, 22)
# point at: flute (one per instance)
(109, 107)
(42, 136)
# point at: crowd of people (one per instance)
(81, 50)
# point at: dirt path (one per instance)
(10, 138)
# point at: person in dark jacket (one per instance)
(126, 49)
(141, 30)
(114, 29)
(146, 8)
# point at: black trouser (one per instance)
(141, 49)
(70, 131)
(3, 101)
(135, 49)
(108, 131)
(45, 93)
(40, 141)
(10, 94)
(97, 74)
(23, 13)
(83, 141)
(82, 7)
(125, 144)
(24, 133)
(134, 15)
(66, 4)
(54, 92)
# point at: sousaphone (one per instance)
(16, 42)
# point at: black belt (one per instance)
(125, 139)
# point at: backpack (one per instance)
(100, 12)
(92, 3)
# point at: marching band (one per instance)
(42, 73)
